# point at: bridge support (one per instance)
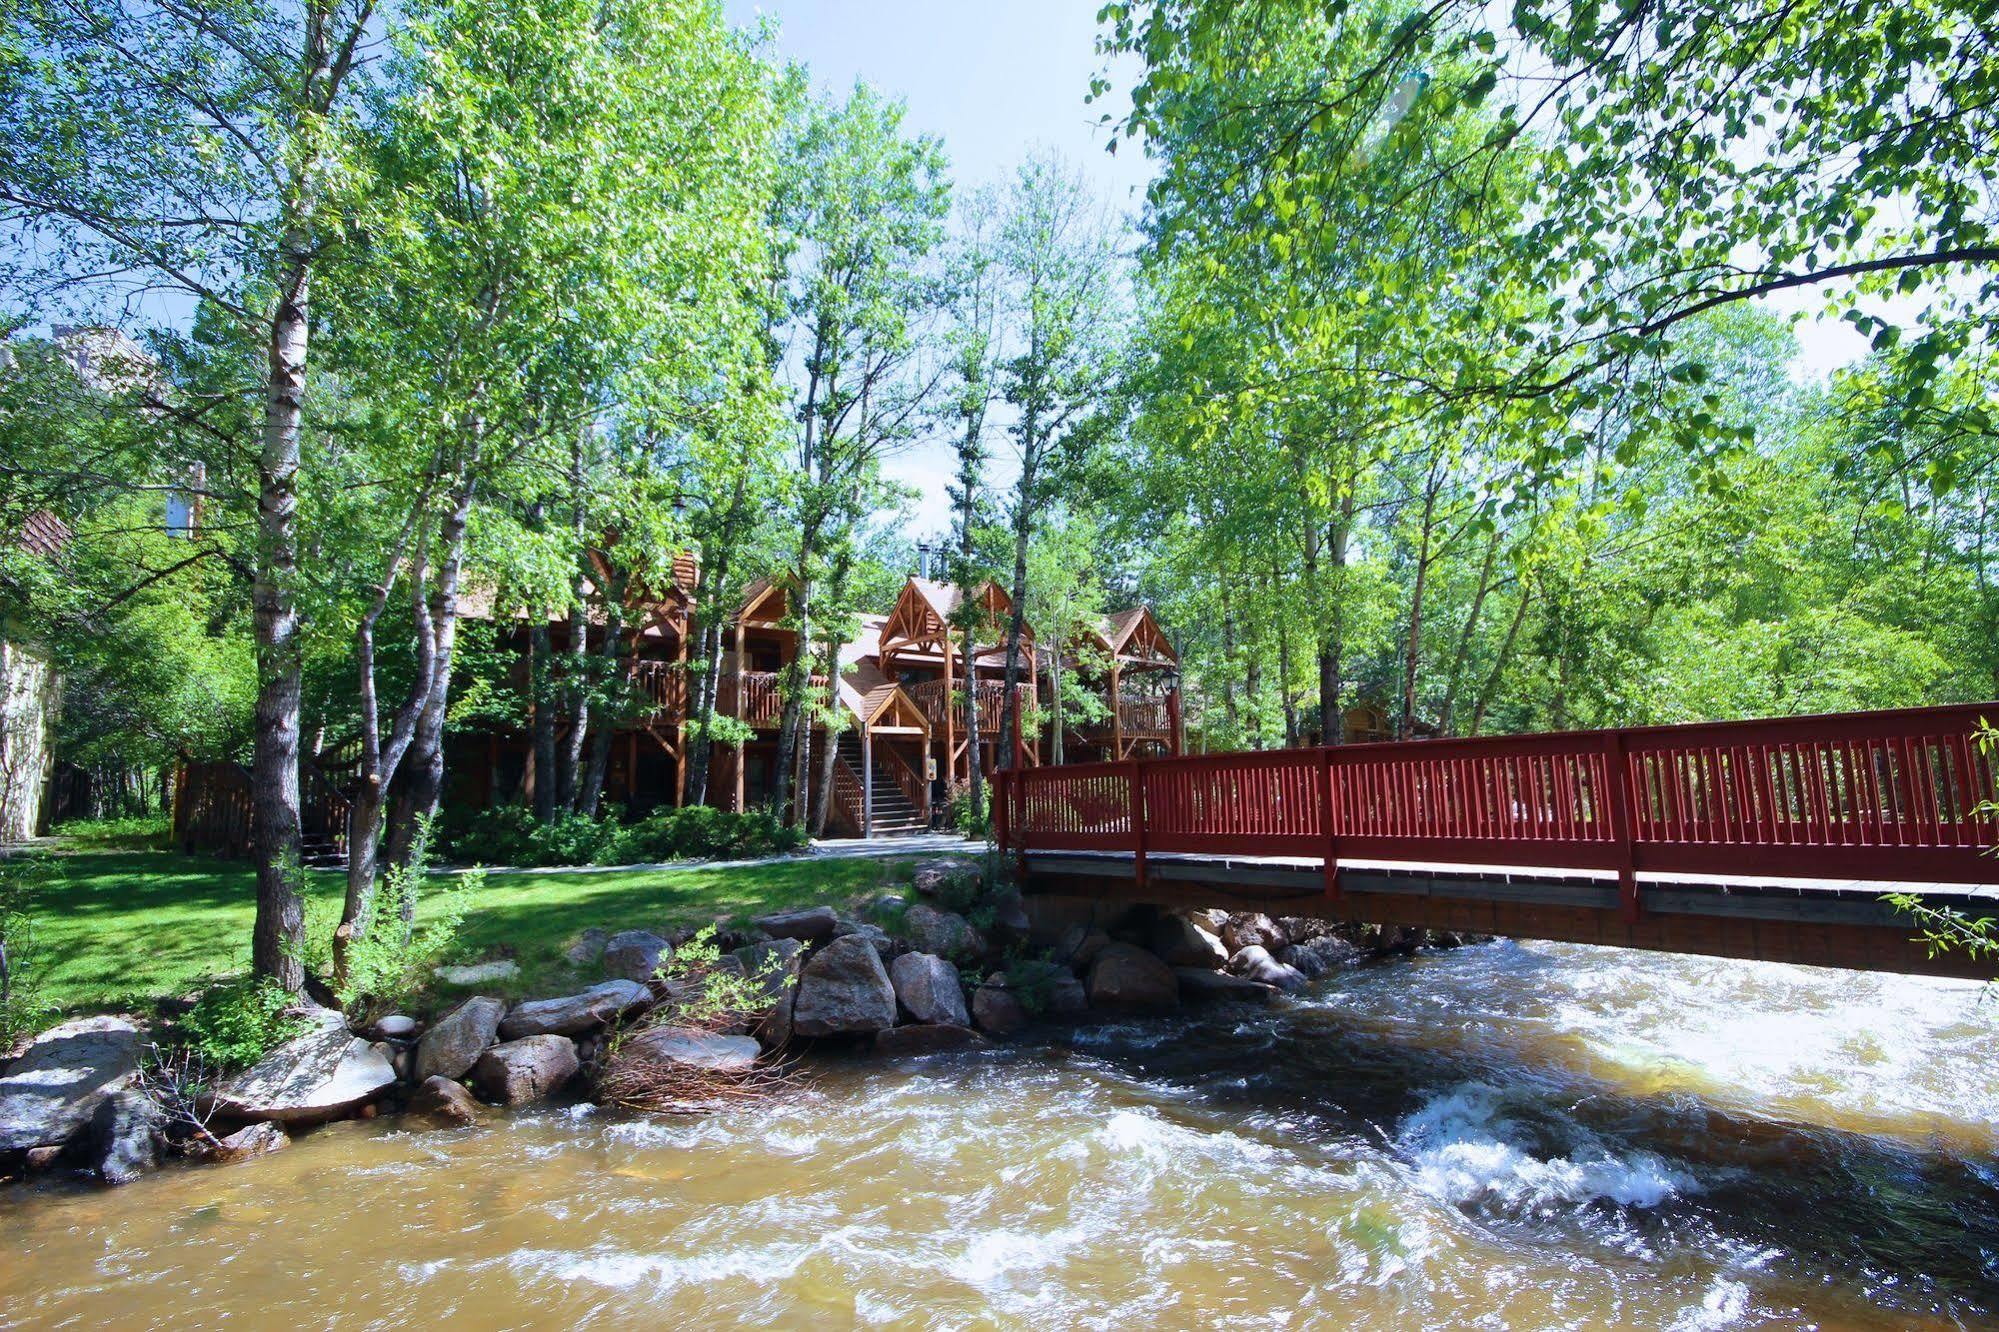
(1828, 925)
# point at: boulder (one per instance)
(843, 989)
(322, 1074)
(927, 987)
(480, 973)
(1303, 929)
(1046, 987)
(885, 945)
(1079, 945)
(1181, 942)
(808, 923)
(996, 1008)
(773, 964)
(1212, 919)
(1067, 997)
(50, 1093)
(575, 1014)
(693, 1047)
(634, 955)
(124, 1133)
(1316, 957)
(925, 1039)
(1255, 963)
(1200, 985)
(1127, 979)
(1010, 919)
(886, 906)
(445, 1102)
(254, 1140)
(945, 933)
(394, 1027)
(456, 1040)
(1252, 929)
(952, 875)
(527, 1069)
(586, 948)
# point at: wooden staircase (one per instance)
(894, 814)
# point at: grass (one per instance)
(118, 929)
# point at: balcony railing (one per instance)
(929, 696)
(665, 683)
(1139, 717)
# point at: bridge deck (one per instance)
(1826, 922)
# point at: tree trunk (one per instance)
(797, 680)
(592, 793)
(1467, 636)
(1491, 687)
(570, 759)
(705, 689)
(541, 654)
(1413, 645)
(829, 755)
(278, 936)
(419, 796)
(1055, 705)
(1023, 532)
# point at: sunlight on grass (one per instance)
(119, 929)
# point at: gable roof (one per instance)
(1134, 635)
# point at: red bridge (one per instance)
(1776, 840)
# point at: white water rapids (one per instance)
(1504, 1136)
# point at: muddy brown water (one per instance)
(1508, 1136)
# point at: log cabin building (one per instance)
(903, 684)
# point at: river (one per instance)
(1505, 1136)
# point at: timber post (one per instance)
(1617, 771)
(1136, 782)
(1329, 822)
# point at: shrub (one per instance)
(706, 995)
(143, 832)
(511, 836)
(958, 812)
(391, 953)
(23, 1011)
(704, 833)
(977, 888)
(237, 1022)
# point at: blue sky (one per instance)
(994, 81)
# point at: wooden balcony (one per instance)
(929, 696)
(665, 683)
(1138, 719)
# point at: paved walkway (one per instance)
(832, 848)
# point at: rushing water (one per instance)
(1508, 1136)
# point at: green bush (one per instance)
(958, 813)
(511, 836)
(700, 832)
(237, 1022)
(391, 954)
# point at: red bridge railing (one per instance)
(1900, 795)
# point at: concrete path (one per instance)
(832, 848)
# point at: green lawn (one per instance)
(120, 928)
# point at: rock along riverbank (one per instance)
(899, 976)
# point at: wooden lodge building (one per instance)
(904, 744)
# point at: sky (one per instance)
(995, 80)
